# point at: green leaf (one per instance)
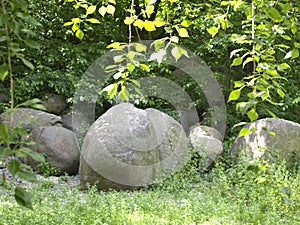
(149, 26)
(283, 66)
(82, 5)
(111, 90)
(286, 7)
(93, 20)
(294, 28)
(110, 68)
(158, 44)
(102, 10)
(34, 155)
(76, 20)
(234, 95)
(168, 29)
(3, 71)
(240, 124)
(27, 175)
(32, 44)
(145, 67)
(113, 45)
(151, 2)
(238, 84)
(177, 52)
(117, 75)
(271, 113)
(159, 23)
(139, 23)
(295, 54)
(130, 55)
(135, 82)
(75, 27)
(33, 21)
(112, 1)
(274, 14)
(244, 131)
(79, 34)
(68, 23)
(3, 38)
(286, 37)
(213, 31)
(130, 67)
(27, 63)
(280, 93)
(15, 47)
(91, 9)
(252, 115)
(185, 23)
(33, 103)
(249, 59)
(183, 32)
(140, 47)
(110, 9)
(128, 20)
(260, 180)
(149, 10)
(237, 4)
(13, 167)
(174, 39)
(237, 61)
(123, 94)
(118, 58)
(243, 107)
(5, 152)
(23, 198)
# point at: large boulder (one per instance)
(59, 147)
(128, 148)
(268, 138)
(54, 104)
(30, 118)
(207, 142)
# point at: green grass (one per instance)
(237, 195)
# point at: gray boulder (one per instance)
(200, 130)
(30, 118)
(207, 142)
(269, 138)
(54, 104)
(128, 148)
(59, 147)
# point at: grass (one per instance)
(242, 194)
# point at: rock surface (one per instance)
(127, 148)
(54, 104)
(59, 146)
(207, 142)
(30, 118)
(201, 130)
(268, 137)
(78, 123)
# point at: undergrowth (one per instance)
(244, 193)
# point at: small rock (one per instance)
(54, 104)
